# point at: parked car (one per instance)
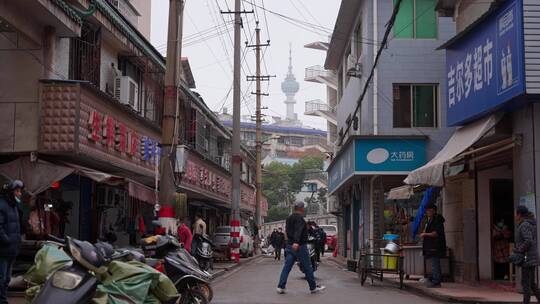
(331, 236)
(222, 238)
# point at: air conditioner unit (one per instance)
(180, 161)
(226, 161)
(126, 91)
(351, 61)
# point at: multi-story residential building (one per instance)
(397, 125)
(489, 165)
(82, 94)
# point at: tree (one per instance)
(281, 182)
(322, 198)
(276, 213)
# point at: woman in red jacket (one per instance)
(184, 234)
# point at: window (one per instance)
(296, 141)
(250, 136)
(415, 106)
(416, 19)
(85, 55)
(358, 40)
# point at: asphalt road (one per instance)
(256, 283)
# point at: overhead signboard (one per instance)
(376, 156)
(486, 67)
(389, 156)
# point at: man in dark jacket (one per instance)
(525, 253)
(434, 243)
(10, 233)
(297, 235)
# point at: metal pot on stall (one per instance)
(392, 247)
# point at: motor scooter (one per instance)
(311, 247)
(75, 283)
(204, 253)
(173, 259)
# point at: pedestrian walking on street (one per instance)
(184, 234)
(279, 243)
(525, 254)
(296, 249)
(10, 233)
(434, 243)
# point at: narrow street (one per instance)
(256, 283)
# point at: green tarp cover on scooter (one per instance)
(164, 290)
(132, 283)
(48, 259)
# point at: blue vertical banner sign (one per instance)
(486, 67)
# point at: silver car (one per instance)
(222, 239)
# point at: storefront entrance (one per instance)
(503, 226)
(495, 221)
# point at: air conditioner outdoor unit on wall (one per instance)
(126, 91)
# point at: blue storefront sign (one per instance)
(485, 68)
(342, 169)
(377, 156)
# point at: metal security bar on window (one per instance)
(85, 55)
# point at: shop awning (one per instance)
(432, 173)
(37, 175)
(142, 192)
(403, 192)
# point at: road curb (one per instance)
(428, 293)
(450, 299)
(234, 266)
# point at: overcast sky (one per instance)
(208, 45)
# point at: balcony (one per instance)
(318, 108)
(319, 75)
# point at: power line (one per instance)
(265, 19)
(309, 12)
(316, 29)
(207, 45)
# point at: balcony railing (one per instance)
(317, 71)
(317, 105)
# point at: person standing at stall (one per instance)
(434, 243)
(10, 233)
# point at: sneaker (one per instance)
(280, 290)
(318, 289)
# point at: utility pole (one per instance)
(235, 150)
(169, 140)
(236, 156)
(258, 119)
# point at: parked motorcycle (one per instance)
(204, 253)
(74, 282)
(182, 268)
(311, 246)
